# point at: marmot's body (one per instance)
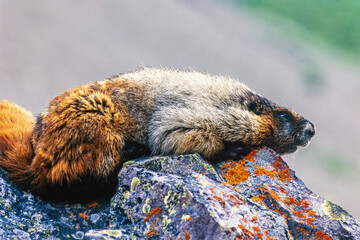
(76, 148)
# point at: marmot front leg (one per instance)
(234, 151)
(183, 140)
(78, 146)
(205, 141)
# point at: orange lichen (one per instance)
(311, 213)
(274, 195)
(282, 190)
(299, 214)
(72, 216)
(250, 156)
(220, 200)
(257, 233)
(267, 235)
(248, 234)
(84, 216)
(235, 172)
(290, 234)
(277, 163)
(151, 232)
(283, 171)
(187, 236)
(262, 171)
(305, 214)
(265, 194)
(234, 200)
(309, 221)
(299, 208)
(280, 212)
(289, 200)
(280, 171)
(226, 164)
(242, 227)
(257, 199)
(152, 213)
(322, 236)
(93, 205)
(304, 233)
(303, 203)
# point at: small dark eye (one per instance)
(284, 116)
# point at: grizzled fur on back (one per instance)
(189, 100)
(77, 146)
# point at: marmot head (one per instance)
(256, 121)
(283, 130)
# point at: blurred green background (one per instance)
(336, 22)
(301, 54)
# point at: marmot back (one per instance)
(76, 148)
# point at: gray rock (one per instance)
(184, 197)
(23, 216)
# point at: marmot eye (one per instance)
(255, 107)
(283, 116)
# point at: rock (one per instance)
(23, 216)
(184, 197)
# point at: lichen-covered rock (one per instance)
(24, 217)
(271, 185)
(184, 197)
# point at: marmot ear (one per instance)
(256, 107)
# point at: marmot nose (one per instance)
(308, 131)
(305, 134)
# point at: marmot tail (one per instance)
(16, 152)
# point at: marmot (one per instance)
(75, 149)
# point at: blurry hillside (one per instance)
(334, 22)
(47, 47)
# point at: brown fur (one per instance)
(82, 141)
(76, 148)
(16, 128)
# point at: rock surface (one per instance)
(183, 197)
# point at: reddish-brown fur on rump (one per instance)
(16, 128)
(82, 141)
(81, 144)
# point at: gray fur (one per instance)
(187, 101)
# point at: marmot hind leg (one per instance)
(78, 144)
